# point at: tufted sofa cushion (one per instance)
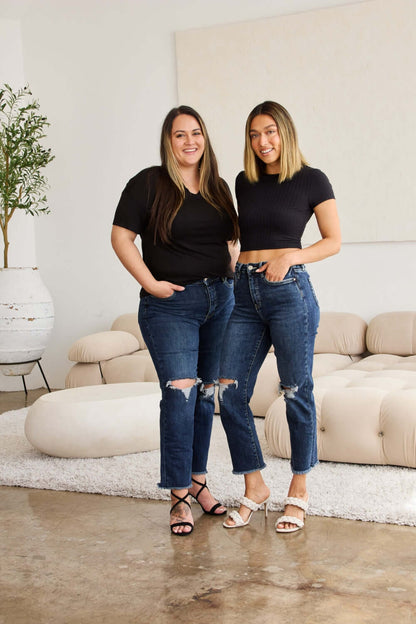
(342, 333)
(126, 369)
(392, 332)
(365, 413)
(364, 417)
(103, 346)
(385, 361)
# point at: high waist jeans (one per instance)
(184, 334)
(285, 314)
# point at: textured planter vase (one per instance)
(26, 319)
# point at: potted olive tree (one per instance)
(26, 308)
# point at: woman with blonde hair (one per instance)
(183, 212)
(275, 304)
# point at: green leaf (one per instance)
(22, 156)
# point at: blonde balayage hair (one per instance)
(291, 158)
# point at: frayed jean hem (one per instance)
(244, 472)
(174, 487)
(303, 472)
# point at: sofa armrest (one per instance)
(129, 323)
(341, 332)
(393, 333)
(103, 346)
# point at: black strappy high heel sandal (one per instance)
(211, 511)
(184, 523)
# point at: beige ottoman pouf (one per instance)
(96, 421)
(364, 417)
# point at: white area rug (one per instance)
(370, 493)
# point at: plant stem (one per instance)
(6, 248)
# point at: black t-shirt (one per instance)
(199, 235)
(273, 215)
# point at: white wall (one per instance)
(104, 73)
(341, 85)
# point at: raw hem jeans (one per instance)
(285, 314)
(184, 334)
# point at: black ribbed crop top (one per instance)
(274, 215)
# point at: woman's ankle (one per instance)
(255, 487)
(176, 494)
(297, 487)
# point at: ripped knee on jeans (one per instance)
(225, 384)
(207, 390)
(184, 385)
(288, 391)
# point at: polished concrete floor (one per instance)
(70, 558)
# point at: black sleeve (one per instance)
(133, 209)
(320, 189)
(239, 182)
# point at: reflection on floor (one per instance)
(84, 558)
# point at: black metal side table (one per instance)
(23, 377)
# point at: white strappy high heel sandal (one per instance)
(247, 502)
(296, 502)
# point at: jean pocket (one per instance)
(154, 298)
(286, 280)
(229, 282)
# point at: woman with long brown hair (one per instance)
(183, 212)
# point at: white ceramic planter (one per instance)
(26, 319)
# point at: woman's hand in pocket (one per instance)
(163, 290)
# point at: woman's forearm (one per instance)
(317, 251)
(123, 244)
(234, 251)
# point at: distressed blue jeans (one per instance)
(184, 334)
(285, 314)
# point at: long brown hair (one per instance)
(291, 158)
(170, 189)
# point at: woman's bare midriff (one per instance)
(262, 255)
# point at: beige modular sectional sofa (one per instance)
(365, 384)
